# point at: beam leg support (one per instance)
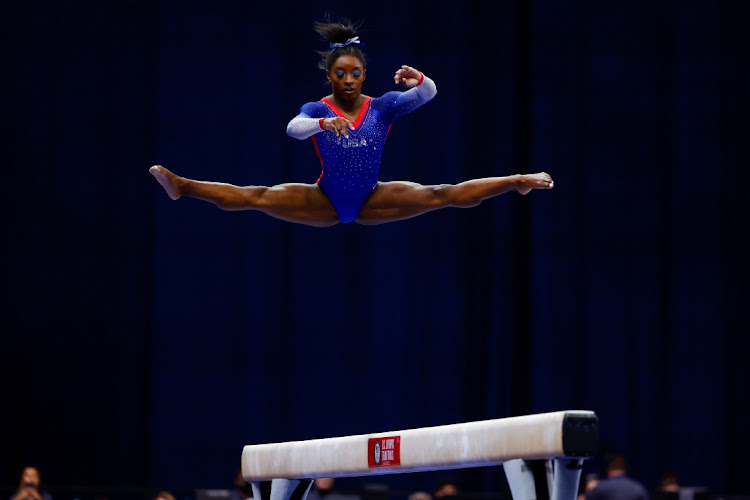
(282, 489)
(566, 477)
(555, 479)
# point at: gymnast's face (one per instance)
(346, 76)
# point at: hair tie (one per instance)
(351, 41)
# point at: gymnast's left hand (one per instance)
(407, 76)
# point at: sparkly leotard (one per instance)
(351, 165)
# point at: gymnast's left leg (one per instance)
(392, 201)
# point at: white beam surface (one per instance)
(471, 444)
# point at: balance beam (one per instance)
(563, 434)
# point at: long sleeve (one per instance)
(301, 127)
(426, 88)
(400, 103)
(418, 95)
(307, 122)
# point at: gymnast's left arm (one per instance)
(421, 89)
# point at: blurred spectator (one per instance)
(242, 489)
(617, 485)
(164, 495)
(446, 489)
(588, 483)
(420, 495)
(668, 483)
(322, 489)
(28, 488)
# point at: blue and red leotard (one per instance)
(351, 165)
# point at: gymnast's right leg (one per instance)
(293, 202)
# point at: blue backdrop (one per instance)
(146, 341)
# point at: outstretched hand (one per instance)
(338, 125)
(407, 76)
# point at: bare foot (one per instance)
(541, 180)
(169, 181)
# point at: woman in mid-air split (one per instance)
(349, 131)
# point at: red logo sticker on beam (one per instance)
(384, 451)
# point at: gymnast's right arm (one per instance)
(312, 120)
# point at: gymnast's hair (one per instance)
(338, 32)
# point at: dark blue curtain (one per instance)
(146, 341)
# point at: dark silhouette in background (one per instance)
(588, 482)
(668, 483)
(29, 487)
(242, 489)
(617, 485)
(420, 495)
(446, 489)
(324, 488)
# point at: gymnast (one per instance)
(349, 130)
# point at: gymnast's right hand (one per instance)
(338, 125)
